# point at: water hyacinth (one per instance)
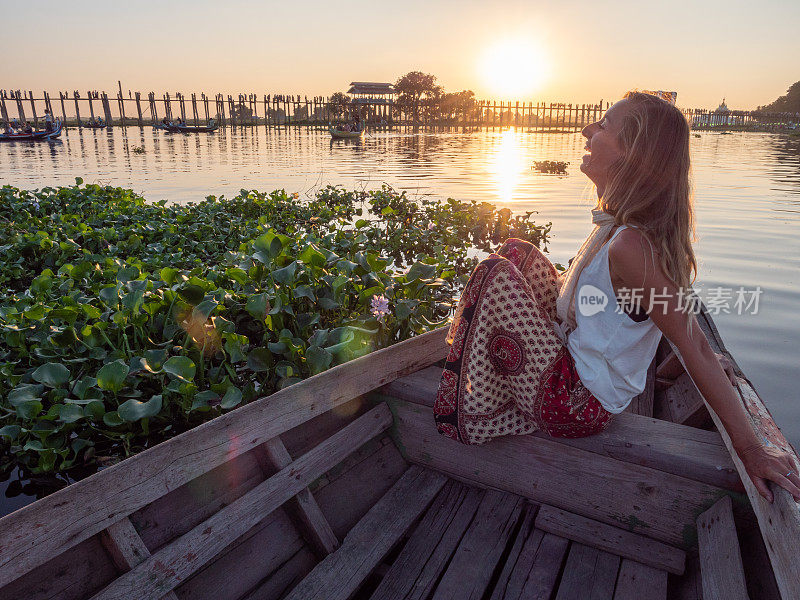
(124, 322)
(380, 307)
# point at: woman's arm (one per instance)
(634, 267)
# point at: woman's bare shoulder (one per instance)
(632, 254)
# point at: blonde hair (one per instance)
(650, 186)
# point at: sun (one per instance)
(513, 68)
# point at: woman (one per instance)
(532, 350)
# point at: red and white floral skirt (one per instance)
(507, 371)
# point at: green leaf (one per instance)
(304, 291)
(69, 413)
(94, 410)
(203, 310)
(83, 385)
(110, 295)
(64, 338)
(133, 410)
(234, 346)
(25, 393)
(286, 274)
(193, 294)
(259, 360)
(10, 432)
(35, 313)
(29, 409)
(312, 256)
(52, 374)
(204, 399)
(420, 271)
(232, 397)
(169, 275)
(258, 306)
(328, 303)
(112, 419)
(237, 275)
(269, 243)
(112, 376)
(318, 359)
(180, 367)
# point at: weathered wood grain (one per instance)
(48, 527)
(779, 521)
(416, 570)
(533, 565)
(683, 403)
(589, 574)
(73, 575)
(180, 510)
(611, 539)
(467, 577)
(273, 455)
(688, 586)
(720, 558)
(685, 451)
(640, 582)
(269, 551)
(126, 548)
(168, 567)
(280, 582)
(650, 502)
(340, 574)
(512, 558)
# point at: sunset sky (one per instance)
(571, 50)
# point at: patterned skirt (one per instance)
(507, 371)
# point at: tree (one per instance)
(788, 103)
(339, 103)
(413, 88)
(451, 105)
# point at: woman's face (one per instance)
(602, 141)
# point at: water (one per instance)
(747, 198)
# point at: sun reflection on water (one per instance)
(508, 165)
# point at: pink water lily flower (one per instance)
(380, 307)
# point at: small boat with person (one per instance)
(183, 128)
(12, 135)
(94, 124)
(338, 133)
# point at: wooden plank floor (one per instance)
(479, 544)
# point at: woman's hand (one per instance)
(727, 366)
(768, 463)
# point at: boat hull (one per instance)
(345, 135)
(36, 135)
(186, 128)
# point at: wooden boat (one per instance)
(90, 125)
(340, 486)
(187, 128)
(38, 134)
(337, 134)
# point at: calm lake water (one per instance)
(747, 197)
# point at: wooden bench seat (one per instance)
(474, 543)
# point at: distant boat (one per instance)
(171, 127)
(39, 134)
(337, 133)
(94, 125)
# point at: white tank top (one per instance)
(611, 351)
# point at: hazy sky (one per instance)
(745, 51)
